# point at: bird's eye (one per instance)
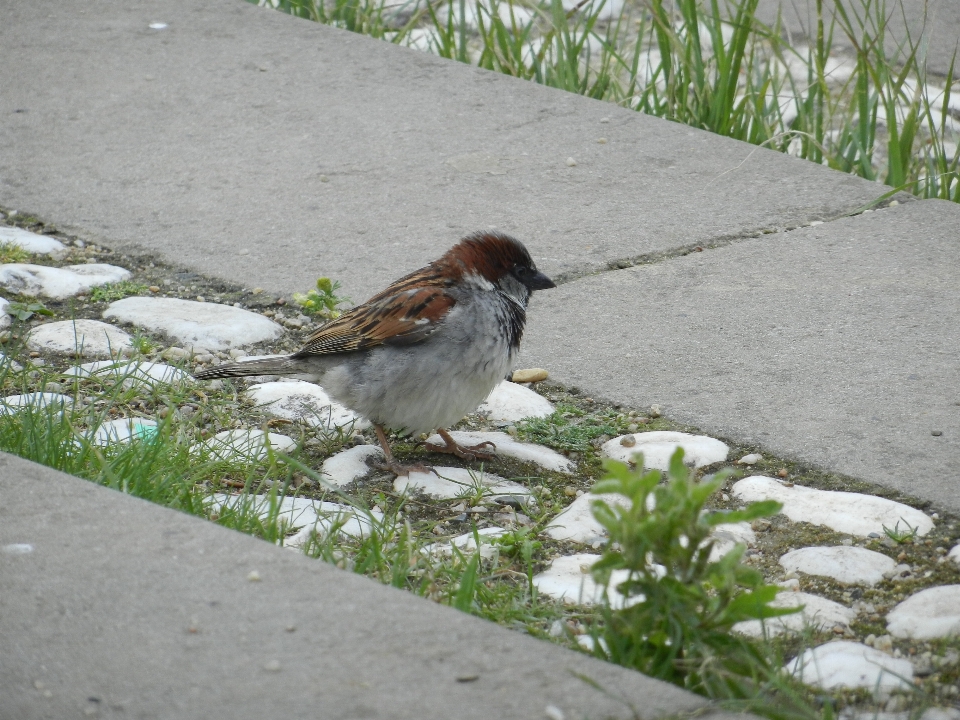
(522, 271)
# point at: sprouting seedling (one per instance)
(323, 301)
(23, 311)
(901, 536)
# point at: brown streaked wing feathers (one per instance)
(385, 319)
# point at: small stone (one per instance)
(846, 512)
(845, 664)
(633, 427)
(602, 141)
(244, 443)
(655, 411)
(936, 433)
(253, 576)
(571, 162)
(845, 564)
(58, 283)
(506, 445)
(658, 447)
(510, 402)
(451, 482)
(32, 242)
(782, 472)
(175, 354)
(304, 402)
(349, 465)
(628, 441)
(206, 326)
(928, 614)
(552, 712)
(154, 288)
(86, 338)
(257, 291)
(817, 612)
(751, 459)
(529, 375)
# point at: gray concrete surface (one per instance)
(128, 610)
(216, 133)
(932, 25)
(323, 152)
(835, 344)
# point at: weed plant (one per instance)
(710, 64)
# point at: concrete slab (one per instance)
(126, 609)
(835, 344)
(933, 25)
(322, 152)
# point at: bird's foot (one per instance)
(469, 453)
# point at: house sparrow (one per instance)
(427, 350)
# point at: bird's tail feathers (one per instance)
(264, 366)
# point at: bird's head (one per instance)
(489, 259)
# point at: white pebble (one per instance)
(817, 612)
(506, 445)
(846, 512)
(658, 446)
(303, 402)
(751, 459)
(202, 326)
(87, 338)
(851, 665)
(930, 613)
(510, 402)
(58, 283)
(453, 482)
(851, 565)
(349, 465)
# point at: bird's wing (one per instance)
(401, 318)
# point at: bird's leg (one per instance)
(391, 463)
(473, 452)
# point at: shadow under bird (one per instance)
(426, 351)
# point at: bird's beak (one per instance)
(539, 281)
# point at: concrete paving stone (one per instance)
(506, 445)
(86, 338)
(833, 344)
(151, 609)
(58, 283)
(818, 612)
(852, 565)
(510, 402)
(659, 446)
(103, 151)
(199, 325)
(846, 664)
(32, 242)
(846, 512)
(453, 482)
(928, 614)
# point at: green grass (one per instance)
(710, 64)
(109, 292)
(13, 253)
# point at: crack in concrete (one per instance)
(721, 241)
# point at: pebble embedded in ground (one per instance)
(851, 565)
(310, 516)
(200, 325)
(5, 319)
(506, 445)
(846, 512)
(349, 465)
(58, 283)
(124, 430)
(32, 242)
(510, 402)
(35, 400)
(569, 579)
(928, 614)
(304, 402)
(467, 543)
(452, 482)
(577, 524)
(131, 373)
(659, 445)
(247, 444)
(845, 664)
(85, 338)
(818, 612)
